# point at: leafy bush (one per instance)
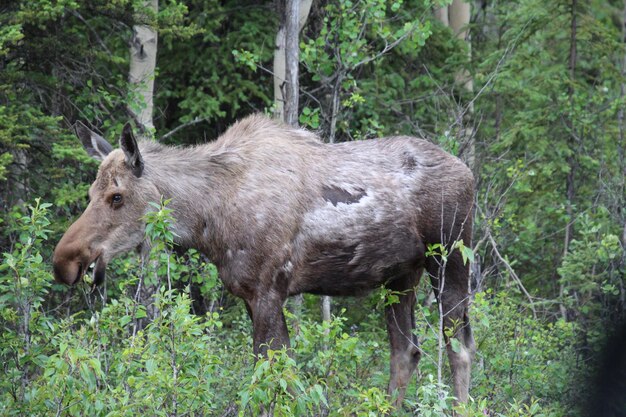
(26, 328)
(104, 362)
(521, 359)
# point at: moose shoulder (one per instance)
(281, 213)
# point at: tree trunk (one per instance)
(456, 16)
(569, 182)
(286, 73)
(300, 9)
(292, 61)
(459, 13)
(143, 51)
(621, 202)
(326, 302)
(571, 162)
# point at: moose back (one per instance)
(281, 213)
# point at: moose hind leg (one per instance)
(454, 300)
(405, 352)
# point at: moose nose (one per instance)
(69, 262)
(71, 255)
(67, 273)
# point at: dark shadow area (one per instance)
(608, 386)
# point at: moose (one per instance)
(280, 212)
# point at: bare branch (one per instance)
(183, 126)
(512, 273)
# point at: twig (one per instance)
(184, 125)
(512, 273)
(91, 29)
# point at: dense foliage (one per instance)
(547, 127)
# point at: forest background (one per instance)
(529, 93)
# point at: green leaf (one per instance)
(455, 345)
(151, 366)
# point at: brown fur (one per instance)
(281, 213)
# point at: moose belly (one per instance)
(356, 238)
(351, 269)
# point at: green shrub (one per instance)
(100, 361)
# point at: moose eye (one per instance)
(116, 200)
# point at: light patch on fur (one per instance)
(287, 267)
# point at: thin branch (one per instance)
(512, 273)
(388, 47)
(493, 75)
(183, 126)
(93, 32)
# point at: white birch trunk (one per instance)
(459, 13)
(326, 310)
(279, 74)
(286, 86)
(143, 50)
(280, 68)
(456, 16)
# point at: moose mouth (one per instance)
(99, 269)
(96, 269)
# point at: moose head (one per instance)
(113, 222)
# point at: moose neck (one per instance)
(196, 179)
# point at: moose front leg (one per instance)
(264, 297)
(268, 323)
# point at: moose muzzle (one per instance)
(74, 257)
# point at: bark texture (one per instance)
(143, 51)
(298, 16)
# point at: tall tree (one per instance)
(143, 53)
(571, 140)
(294, 14)
(286, 69)
(620, 151)
(456, 16)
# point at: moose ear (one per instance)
(131, 150)
(95, 145)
